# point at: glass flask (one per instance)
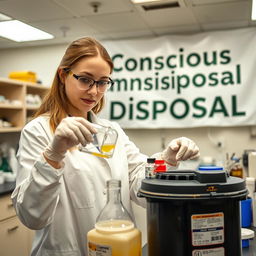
(114, 233)
(104, 142)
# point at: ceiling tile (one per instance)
(131, 34)
(206, 2)
(117, 22)
(32, 10)
(222, 12)
(84, 7)
(228, 25)
(68, 27)
(187, 29)
(169, 17)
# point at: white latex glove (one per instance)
(70, 132)
(180, 149)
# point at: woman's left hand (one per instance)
(180, 149)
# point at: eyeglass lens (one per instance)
(101, 85)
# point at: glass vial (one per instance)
(150, 168)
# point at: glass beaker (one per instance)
(104, 142)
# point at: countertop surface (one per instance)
(6, 188)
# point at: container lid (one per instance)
(193, 184)
(247, 233)
(157, 161)
(151, 160)
(160, 168)
(210, 168)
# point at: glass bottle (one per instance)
(150, 168)
(114, 233)
(237, 169)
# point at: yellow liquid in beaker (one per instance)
(99, 155)
(119, 237)
(107, 147)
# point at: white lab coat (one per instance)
(62, 205)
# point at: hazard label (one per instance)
(207, 229)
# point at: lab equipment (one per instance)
(114, 233)
(233, 166)
(104, 142)
(149, 168)
(193, 212)
(246, 213)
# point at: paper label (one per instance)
(207, 229)
(209, 252)
(99, 250)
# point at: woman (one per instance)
(60, 190)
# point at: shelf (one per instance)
(37, 86)
(10, 106)
(15, 82)
(16, 90)
(10, 129)
(32, 107)
(7, 81)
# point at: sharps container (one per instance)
(194, 213)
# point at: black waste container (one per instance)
(194, 213)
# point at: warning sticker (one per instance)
(99, 250)
(209, 252)
(207, 229)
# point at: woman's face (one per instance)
(82, 100)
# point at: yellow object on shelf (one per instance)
(27, 76)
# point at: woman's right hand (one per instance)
(70, 132)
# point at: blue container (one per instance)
(246, 213)
(245, 243)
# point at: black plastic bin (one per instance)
(194, 213)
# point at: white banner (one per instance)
(205, 79)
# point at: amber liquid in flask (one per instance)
(114, 233)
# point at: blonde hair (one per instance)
(55, 102)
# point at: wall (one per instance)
(44, 61)
(232, 139)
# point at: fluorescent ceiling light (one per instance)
(4, 17)
(254, 10)
(144, 1)
(21, 32)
